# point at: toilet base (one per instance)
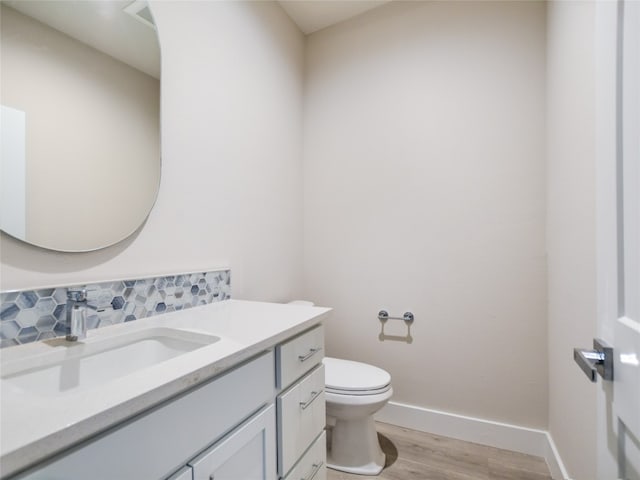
(354, 447)
(368, 470)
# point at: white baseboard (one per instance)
(495, 434)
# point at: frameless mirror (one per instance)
(80, 124)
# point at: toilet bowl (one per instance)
(354, 392)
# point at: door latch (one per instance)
(596, 361)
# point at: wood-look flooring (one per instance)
(413, 455)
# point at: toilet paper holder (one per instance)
(383, 316)
(407, 318)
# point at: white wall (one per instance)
(571, 229)
(424, 191)
(231, 145)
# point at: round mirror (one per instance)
(80, 124)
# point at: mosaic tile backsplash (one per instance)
(32, 315)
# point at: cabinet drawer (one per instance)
(313, 465)
(301, 416)
(299, 355)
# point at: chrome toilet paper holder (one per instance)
(383, 316)
(407, 318)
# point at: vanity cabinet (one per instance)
(263, 420)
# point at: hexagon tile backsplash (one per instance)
(32, 315)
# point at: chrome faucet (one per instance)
(76, 314)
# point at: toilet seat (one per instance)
(376, 391)
(346, 377)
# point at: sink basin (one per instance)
(71, 367)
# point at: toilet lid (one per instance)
(346, 375)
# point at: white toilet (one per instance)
(354, 392)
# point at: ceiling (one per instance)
(313, 15)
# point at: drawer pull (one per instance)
(314, 472)
(312, 352)
(314, 395)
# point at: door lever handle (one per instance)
(598, 361)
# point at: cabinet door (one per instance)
(247, 453)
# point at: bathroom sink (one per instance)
(72, 367)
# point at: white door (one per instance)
(618, 88)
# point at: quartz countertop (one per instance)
(34, 427)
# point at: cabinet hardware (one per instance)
(312, 352)
(314, 395)
(314, 472)
(383, 316)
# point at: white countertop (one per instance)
(34, 427)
